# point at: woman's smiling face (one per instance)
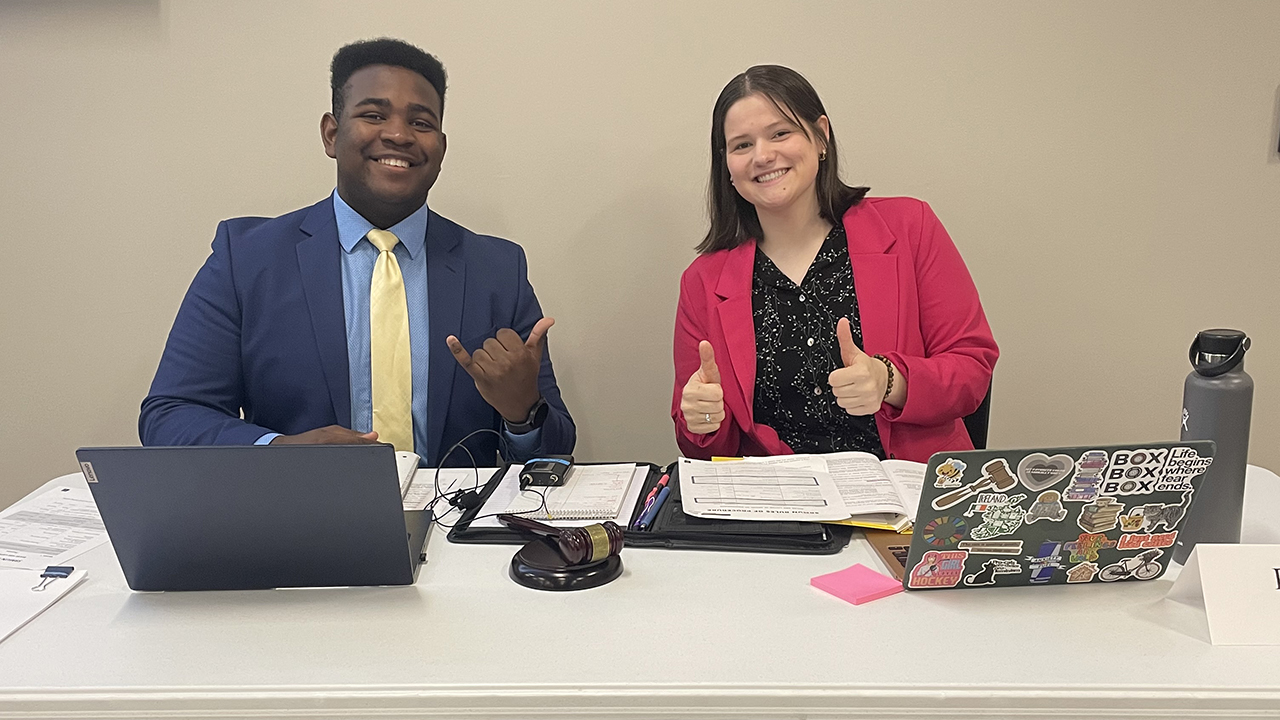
(771, 160)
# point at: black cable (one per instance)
(454, 503)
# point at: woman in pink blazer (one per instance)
(816, 319)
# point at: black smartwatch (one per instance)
(537, 416)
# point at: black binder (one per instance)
(674, 529)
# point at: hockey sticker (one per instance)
(938, 569)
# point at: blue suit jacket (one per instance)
(262, 332)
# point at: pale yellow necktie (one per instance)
(391, 370)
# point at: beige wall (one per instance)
(1109, 171)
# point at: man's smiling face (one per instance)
(388, 143)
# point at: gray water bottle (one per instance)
(1217, 400)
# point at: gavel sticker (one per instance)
(578, 545)
(995, 477)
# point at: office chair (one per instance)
(976, 422)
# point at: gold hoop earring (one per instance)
(822, 156)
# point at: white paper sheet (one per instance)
(798, 488)
(509, 488)
(908, 477)
(422, 488)
(50, 529)
(20, 603)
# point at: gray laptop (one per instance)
(241, 518)
(1049, 516)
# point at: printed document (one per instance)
(21, 602)
(872, 492)
(792, 488)
(50, 528)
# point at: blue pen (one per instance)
(652, 513)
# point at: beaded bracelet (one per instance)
(887, 366)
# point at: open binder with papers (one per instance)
(848, 488)
(670, 526)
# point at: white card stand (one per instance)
(1238, 586)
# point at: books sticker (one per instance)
(938, 568)
(1089, 468)
(1100, 515)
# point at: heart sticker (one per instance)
(1038, 471)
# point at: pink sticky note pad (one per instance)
(858, 584)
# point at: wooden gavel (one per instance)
(578, 545)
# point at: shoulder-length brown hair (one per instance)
(733, 219)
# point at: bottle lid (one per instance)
(1220, 341)
(1218, 351)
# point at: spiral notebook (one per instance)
(590, 492)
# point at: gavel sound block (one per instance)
(566, 558)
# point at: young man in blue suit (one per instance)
(365, 317)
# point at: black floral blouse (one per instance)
(796, 349)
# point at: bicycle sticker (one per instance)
(1142, 566)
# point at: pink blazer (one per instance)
(918, 307)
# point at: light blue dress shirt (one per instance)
(358, 258)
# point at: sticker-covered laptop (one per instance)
(995, 518)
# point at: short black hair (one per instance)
(382, 51)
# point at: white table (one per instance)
(681, 634)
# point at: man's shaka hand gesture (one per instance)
(506, 369)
